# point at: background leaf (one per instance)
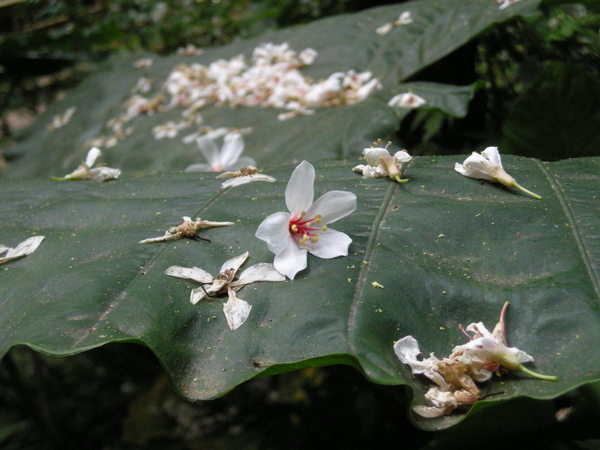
(345, 42)
(447, 250)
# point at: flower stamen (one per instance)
(304, 229)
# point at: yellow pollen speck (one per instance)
(324, 228)
(315, 238)
(303, 213)
(375, 284)
(294, 228)
(302, 242)
(309, 224)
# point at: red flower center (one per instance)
(304, 229)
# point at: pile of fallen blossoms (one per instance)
(271, 78)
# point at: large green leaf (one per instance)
(447, 250)
(346, 42)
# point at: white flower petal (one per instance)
(407, 350)
(274, 230)
(187, 273)
(299, 192)
(331, 244)
(493, 155)
(236, 310)
(234, 263)
(168, 236)
(402, 157)
(374, 154)
(473, 167)
(198, 168)
(24, 248)
(237, 181)
(103, 174)
(291, 260)
(231, 151)
(332, 206)
(92, 156)
(198, 295)
(428, 412)
(210, 151)
(258, 272)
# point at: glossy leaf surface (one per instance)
(447, 250)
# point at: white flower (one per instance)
(488, 166)
(236, 310)
(187, 229)
(60, 120)
(25, 248)
(86, 171)
(381, 164)
(245, 175)
(189, 50)
(229, 158)
(455, 376)
(406, 100)
(304, 229)
(506, 3)
(168, 130)
(405, 18)
(143, 63)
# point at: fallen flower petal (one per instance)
(60, 120)
(236, 310)
(445, 402)
(25, 248)
(405, 18)
(245, 175)
(86, 172)
(488, 166)
(304, 229)
(406, 100)
(188, 229)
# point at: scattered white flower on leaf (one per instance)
(229, 158)
(236, 310)
(86, 171)
(406, 100)
(381, 164)
(291, 236)
(405, 18)
(190, 50)
(506, 3)
(486, 353)
(25, 248)
(168, 130)
(143, 85)
(245, 175)
(60, 120)
(188, 229)
(488, 166)
(143, 63)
